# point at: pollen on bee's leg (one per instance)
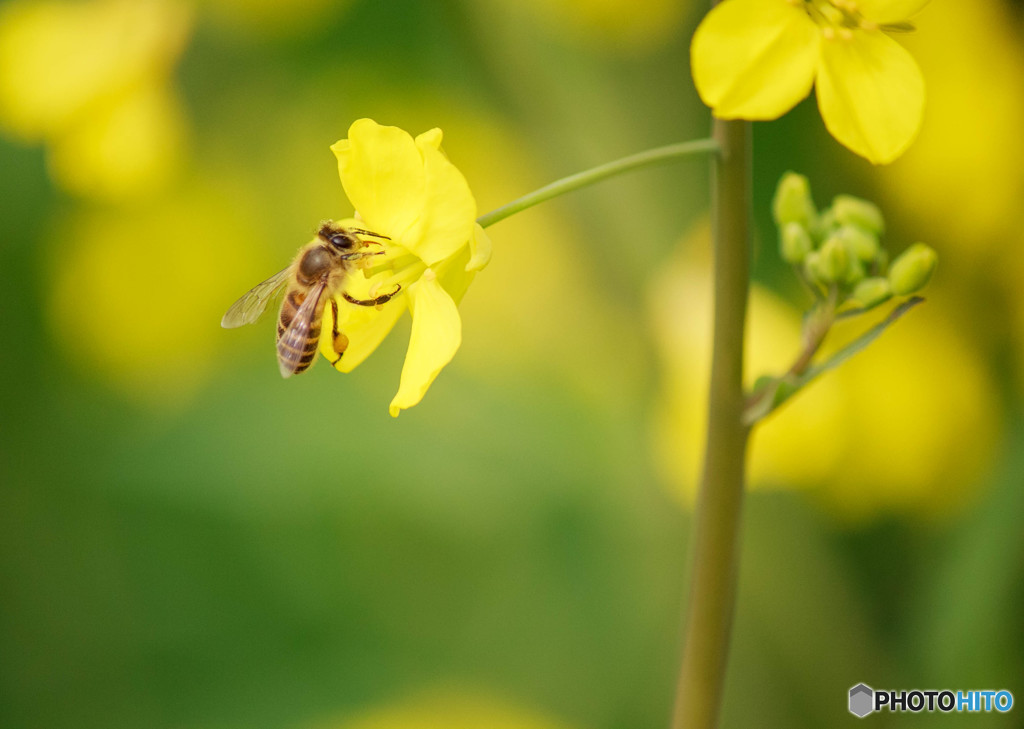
(340, 343)
(338, 339)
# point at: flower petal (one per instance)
(479, 249)
(889, 11)
(436, 336)
(871, 94)
(449, 210)
(382, 173)
(364, 326)
(430, 138)
(754, 59)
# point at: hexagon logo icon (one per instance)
(862, 700)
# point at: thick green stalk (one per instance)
(648, 158)
(712, 595)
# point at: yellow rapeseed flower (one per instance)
(407, 190)
(755, 59)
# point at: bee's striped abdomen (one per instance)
(297, 350)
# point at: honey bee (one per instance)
(312, 280)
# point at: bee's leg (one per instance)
(369, 232)
(340, 341)
(372, 302)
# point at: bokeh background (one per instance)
(188, 541)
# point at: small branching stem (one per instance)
(816, 328)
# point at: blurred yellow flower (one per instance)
(755, 59)
(906, 427)
(136, 290)
(963, 180)
(447, 707)
(91, 80)
(961, 184)
(407, 190)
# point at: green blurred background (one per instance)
(188, 541)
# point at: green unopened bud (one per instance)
(862, 243)
(855, 271)
(912, 270)
(834, 264)
(792, 202)
(872, 291)
(827, 225)
(794, 243)
(812, 268)
(850, 210)
(882, 260)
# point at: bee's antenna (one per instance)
(369, 232)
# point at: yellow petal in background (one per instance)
(870, 94)
(449, 210)
(436, 336)
(889, 11)
(754, 59)
(132, 148)
(58, 59)
(962, 181)
(133, 289)
(382, 172)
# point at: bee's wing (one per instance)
(291, 344)
(253, 303)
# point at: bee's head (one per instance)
(338, 238)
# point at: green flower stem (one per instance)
(716, 529)
(651, 157)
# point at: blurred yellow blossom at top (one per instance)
(408, 190)
(905, 427)
(90, 79)
(755, 59)
(447, 707)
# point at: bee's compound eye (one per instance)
(341, 241)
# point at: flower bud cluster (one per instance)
(839, 249)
